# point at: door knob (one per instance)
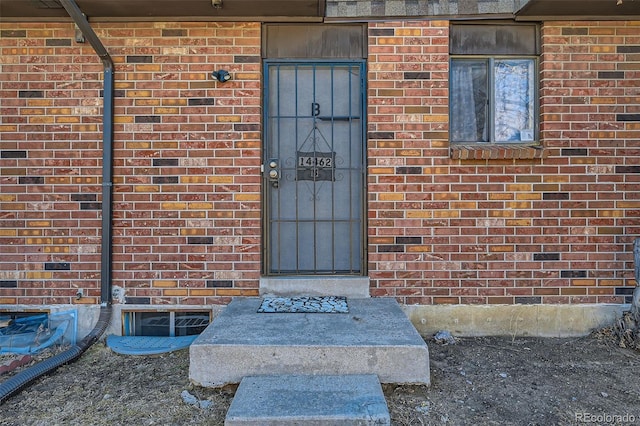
(274, 173)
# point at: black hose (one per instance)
(16, 383)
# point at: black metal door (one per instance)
(314, 168)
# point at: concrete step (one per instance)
(308, 400)
(374, 337)
(315, 286)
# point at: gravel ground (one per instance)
(490, 380)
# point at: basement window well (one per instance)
(165, 323)
(31, 332)
(150, 332)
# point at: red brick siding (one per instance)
(589, 89)
(552, 230)
(187, 157)
(187, 184)
(410, 204)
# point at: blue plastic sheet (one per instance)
(33, 333)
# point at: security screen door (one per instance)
(314, 168)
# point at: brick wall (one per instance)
(411, 203)
(590, 184)
(543, 230)
(187, 156)
(556, 229)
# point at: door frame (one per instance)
(266, 207)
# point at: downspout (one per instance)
(635, 298)
(107, 145)
(16, 383)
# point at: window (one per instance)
(172, 323)
(493, 84)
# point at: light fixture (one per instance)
(221, 75)
(217, 4)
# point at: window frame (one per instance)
(133, 322)
(491, 88)
(490, 41)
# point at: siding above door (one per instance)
(306, 41)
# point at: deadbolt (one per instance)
(274, 173)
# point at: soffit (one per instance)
(542, 10)
(164, 9)
(302, 10)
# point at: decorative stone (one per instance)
(305, 304)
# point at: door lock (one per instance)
(274, 173)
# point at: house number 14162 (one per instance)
(320, 162)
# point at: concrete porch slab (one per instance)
(375, 337)
(308, 400)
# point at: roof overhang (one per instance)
(167, 10)
(605, 10)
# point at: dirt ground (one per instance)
(489, 380)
